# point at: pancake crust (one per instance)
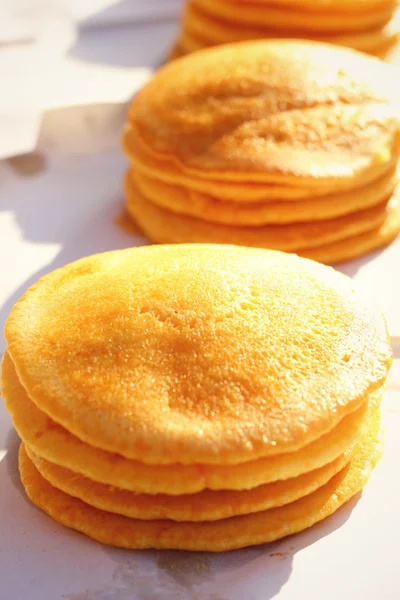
(185, 201)
(79, 339)
(344, 6)
(57, 445)
(359, 245)
(208, 30)
(271, 14)
(216, 536)
(384, 52)
(323, 143)
(243, 192)
(204, 506)
(214, 382)
(164, 226)
(273, 111)
(346, 249)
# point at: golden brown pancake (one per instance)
(164, 226)
(204, 506)
(203, 29)
(342, 142)
(286, 112)
(216, 536)
(329, 6)
(385, 51)
(55, 444)
(177, 51)
(273, 15)
(244, 192)
(188, 42)
(224, 377)
(360, 244)
(210, 208)
(159, 228)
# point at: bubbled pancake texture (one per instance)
(288, 145)
(226, 375)
(371, 27)
(214, 397)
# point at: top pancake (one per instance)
(280, 111)
(196, 353)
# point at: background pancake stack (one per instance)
(250, 411)
(288, 145)
(370, 26)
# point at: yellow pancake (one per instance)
(79, 339)
(213, 382)
(57, 445)
(273, 15)
(247, 395)
(209, 208)
(204, 506)
(243, 192)
(188, 42)
(358, 245)
(164, 226)
(208, 30)
(384, 52)
(174, 353)
(216, 536)
(287, 112)
(325, 143)
(329, 6)
(177, 51)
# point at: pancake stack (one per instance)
(194, 397)
(371, 26)
(286, 145)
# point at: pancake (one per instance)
(167, 227)
(177, 51)
(185, 201)
(79, 339)
(359, 245)
(344, 6)
(217, 536)
(243, 192)
(55, 444)
(204, 506)
(286, 112)
(385, 51)
(189, 42)
(340, 142)
(273, 15)
(158, 224)
(209, 30)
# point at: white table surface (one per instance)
(61, 203)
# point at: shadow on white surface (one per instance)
(108, 13)
(353, 267)
(63, 202)
(145, 40)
